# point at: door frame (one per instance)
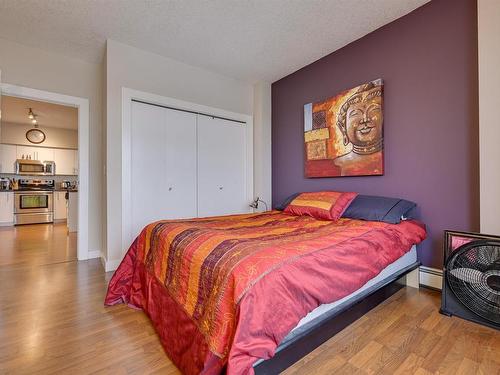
(83, 154)
(128, 95)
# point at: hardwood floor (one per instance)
(407, 335)
(52, 321)
(36, 245)
(52, 318)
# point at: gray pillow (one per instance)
(374, 208)
(286, 202)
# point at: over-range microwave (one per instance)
(35, 167)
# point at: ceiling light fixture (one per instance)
(34, 135)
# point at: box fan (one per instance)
(471, 278)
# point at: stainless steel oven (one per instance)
(35, 167)
(34, 202)
(33, 207)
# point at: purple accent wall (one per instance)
(428, 61)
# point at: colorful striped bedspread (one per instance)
(225, 291)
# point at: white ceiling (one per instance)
(250, 40)
(15, 110)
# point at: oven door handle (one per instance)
(34, 192)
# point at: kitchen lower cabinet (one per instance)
(72, 219)
(6, 208)
(60, 210)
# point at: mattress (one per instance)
(324, 310)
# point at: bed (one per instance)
(328, 319)
(228, 293)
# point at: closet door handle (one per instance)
(170, 188)
(221, 187)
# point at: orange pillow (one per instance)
(323, 205)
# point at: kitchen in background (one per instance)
(38, 163)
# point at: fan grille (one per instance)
(473, 274)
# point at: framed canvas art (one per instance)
(343, 134)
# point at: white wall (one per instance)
(262, 141)
(489, 119)
(104, 70)
(54, 137)
(125, 66)
(136, 69)
(39, 69)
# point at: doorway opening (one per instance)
(43, 176)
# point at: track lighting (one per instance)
(34, 135)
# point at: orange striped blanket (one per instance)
(203, 268)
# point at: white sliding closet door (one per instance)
(180, 166)
(163, 146)
(221, 167)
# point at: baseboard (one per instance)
(109, 265)
(103, 262)
(431, 277)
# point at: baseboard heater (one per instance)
(431, 277)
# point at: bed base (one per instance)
(299, 346)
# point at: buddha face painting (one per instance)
(345, 136)
(364, 122)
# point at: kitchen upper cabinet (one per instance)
(45, 154)
(7, 158)
(6, 208)
(60, 205)
(35, 153)
(26, 152)
(65, 162)
(76, 165)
